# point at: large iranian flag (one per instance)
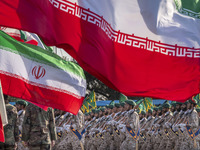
(147, 48)
(34, 74)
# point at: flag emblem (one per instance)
(38, 72)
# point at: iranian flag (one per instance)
(3, 115)
(39, 76)
(148, 48)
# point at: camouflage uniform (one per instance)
(155, 137)
(71, 142)
(193, 122)
(38, 128)
(107, 134)
(21, 115)
(172, 136)
(11, 130)
(148, 125)
(141, 141)
(180, 137)
(116, 134)
(163, 144)
(133, 121)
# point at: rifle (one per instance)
(63, 120)
(181, 118)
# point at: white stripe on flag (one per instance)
(41, 75)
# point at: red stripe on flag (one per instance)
(1, 131)
(130, 70)
(18, 88)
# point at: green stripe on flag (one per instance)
(38, 54)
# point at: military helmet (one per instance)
(160, 108)
(143, 112)
(97, 111)
(173, 103)
(155, 108)
(122, 104)
(22, 102)
(166, 105)
(93, 110)
(102, 109)
(150, 111)
(117, 105)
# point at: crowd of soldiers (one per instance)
(162, 128)
(29, 127)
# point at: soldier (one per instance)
(11, 130)
(116, 137)
(107, 130)
(181, 116)
(21, 105)
(39, 132)
(132, 122)
(146, 129)
(192, 122)
(142, 123)
(94, 139)
(168, 124)
(60, 127)
(163, 128)
(72, 142)
(121, 127)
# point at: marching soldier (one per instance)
(39, 132)
(142, 123)
(72, 142)
(107, 129)
(146, 129)
(157, 111)
(181, 116)
(192, 121)
(163, 128)
(131, 122)
(11, 130)
(21, 105)
(60, 121)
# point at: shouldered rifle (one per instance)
(64, 119)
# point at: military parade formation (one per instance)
(119, 126)
(166, 127)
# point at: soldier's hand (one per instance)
(53, 143)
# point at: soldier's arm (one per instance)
(16, 127)
(52, 128)
(195, 121)
(26, 126)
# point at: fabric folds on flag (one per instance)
(142, 48)
(31, 73)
